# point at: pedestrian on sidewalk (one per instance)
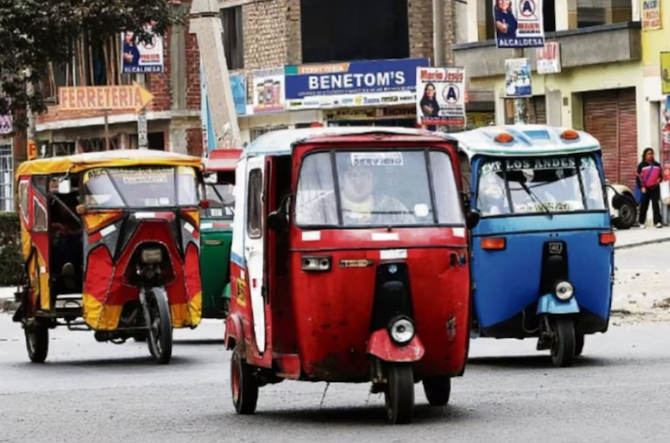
(648, 181)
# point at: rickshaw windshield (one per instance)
(539, 185)
(409, 187)
(222, 200)
(142, 187)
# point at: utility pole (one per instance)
(520, 103)
(206, 25)
(31, 131)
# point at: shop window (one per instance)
(346, 30)
(598, 13)
(40, 223)
(548, 17)
(254, 212)
(233, 37)
(6, 178)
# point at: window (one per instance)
(539, 185)
(233, 36)
(6, 178)
(40, 221)
(603, 12)
(375, 188)
(254, 204)
(24, 186)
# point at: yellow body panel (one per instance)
(100, 317)
(187, 314)
(96, 220)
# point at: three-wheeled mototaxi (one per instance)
(110, 241)
(349, 264)
(216, 231)
(543, 250)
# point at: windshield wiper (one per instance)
(536, 199)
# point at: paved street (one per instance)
(106, 393)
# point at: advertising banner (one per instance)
(665, 73)
(549, 58)
(651, 15)
(440, 96)
(352, 84)
(518, 23)
(517, 78)
(268, 90)
(140, 57)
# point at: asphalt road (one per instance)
(98, 393)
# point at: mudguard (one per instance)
(234, 332)
(550, 304)
(381, 346)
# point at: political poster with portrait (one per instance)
(517, 78)
(518, 23)
(440, 96)
(142, 55)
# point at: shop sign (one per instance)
(352, 84)
(518, 23)
(370, 113)
(440, 96)
(268, 90)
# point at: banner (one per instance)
(238, 83)
(268, 90)
(517, 78)
(549, 58)
(518, 23)
(140, 57)
(440, 98)
(651, 15)
(352, 84)
(665, 73)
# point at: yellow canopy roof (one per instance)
(118, 158)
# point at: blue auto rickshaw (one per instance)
(543, 250)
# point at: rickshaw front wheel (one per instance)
(160, 326)
(37, 343)
(437, 390)
(400, 393)
(243, 385)
(563, 348)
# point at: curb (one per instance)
(642, 243)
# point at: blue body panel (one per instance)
(550, 304)
(507, 281)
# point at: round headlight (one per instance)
(401, 330)
(564, 291)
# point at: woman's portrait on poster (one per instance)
(429, 105)
(505, 21)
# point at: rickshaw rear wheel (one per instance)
(37, 343)
(400, 394)
(579, 344)
(160, 327)
(437, 390)
(564, 344)
(243, 385)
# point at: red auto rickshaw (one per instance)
(349, 264)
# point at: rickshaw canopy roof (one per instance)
(222, 160)
(117, 158)
(282, 142)
(521, 140)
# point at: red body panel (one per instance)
(382, 347)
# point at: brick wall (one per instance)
(420, 13)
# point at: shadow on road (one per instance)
(195, 342)
(119, 361)
(532, 362)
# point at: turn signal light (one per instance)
(493, 243)
(504, 137)
(607, 238)
(570, 134)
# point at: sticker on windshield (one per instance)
(530, 164)
(141, 176)
(421, 210)
(216, 212)
(376, 159)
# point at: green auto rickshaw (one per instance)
(216, 231)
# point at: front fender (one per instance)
(234, 336)
(550, 304)
(382, 347)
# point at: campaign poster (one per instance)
(142, 57)
(440, 96)
(518, 23)
(517, 78)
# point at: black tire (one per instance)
(160, 332)
(437, 390)
(400, 394)
(37, 343)
(579, 344)
(627, 215)
(564, 344)
(243, 385)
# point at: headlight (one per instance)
(564, 291)
(151, 256)
(401, 330)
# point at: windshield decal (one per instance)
(376, 159)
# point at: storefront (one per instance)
(356, 93)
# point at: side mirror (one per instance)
(277, 220)
(618, 201)
(472, 219)
(465, 197)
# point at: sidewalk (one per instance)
(7, 298)
(635, 237)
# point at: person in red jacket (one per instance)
(648, 180)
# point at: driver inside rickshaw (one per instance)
(364, 201)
